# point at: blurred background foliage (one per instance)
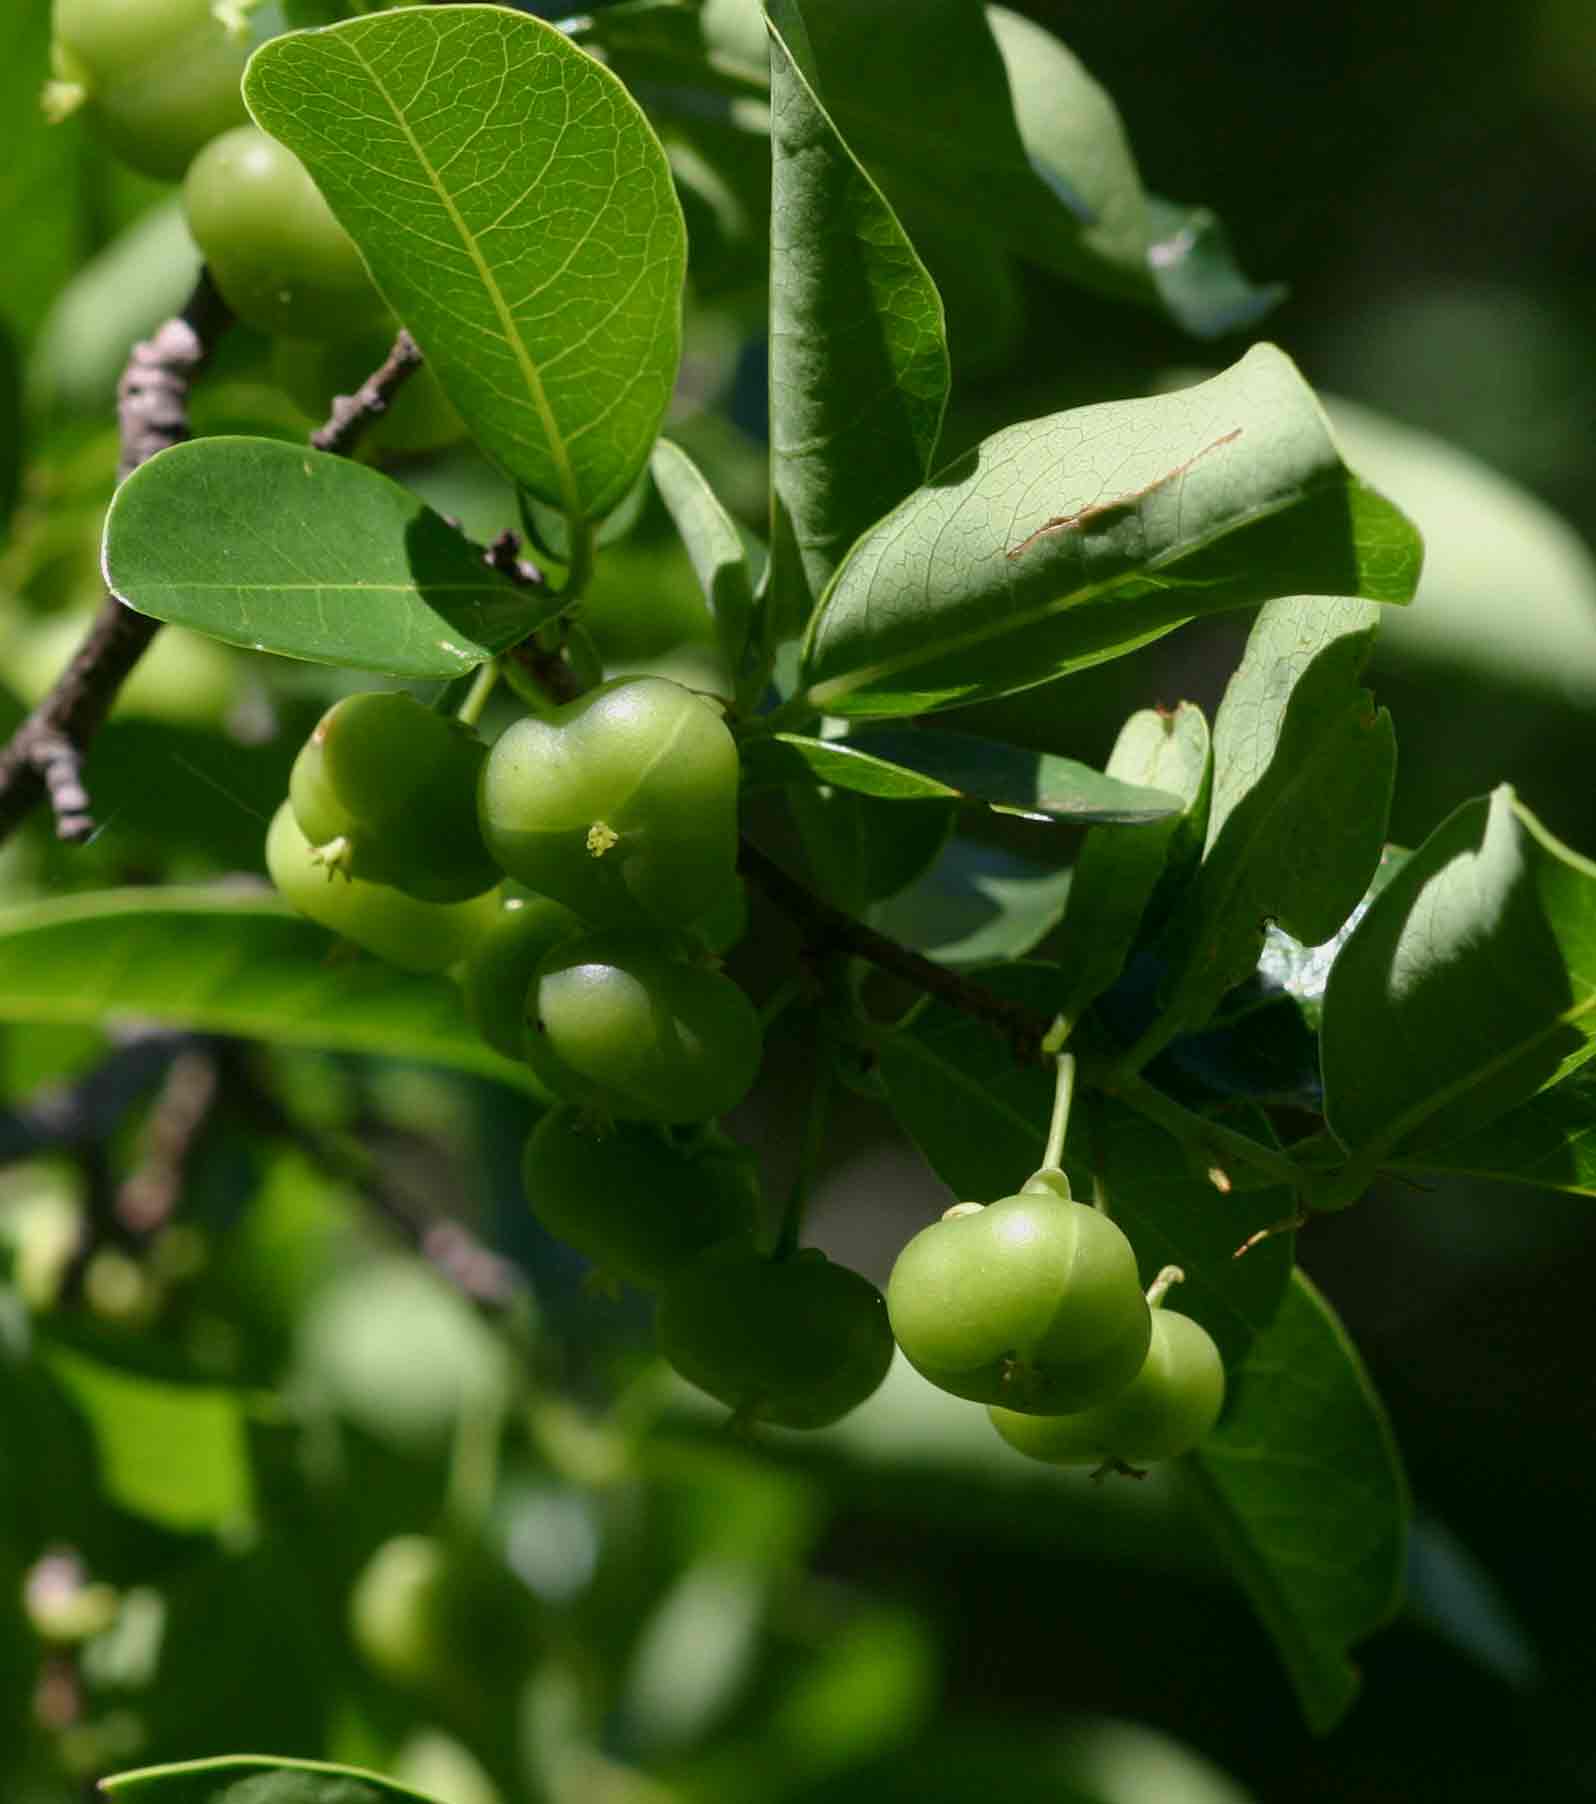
(205, 1438)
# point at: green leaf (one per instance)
(979, 1118)
(269, 545)
(1068, 540)
(1195, 271)
(1110, 234)
(1549, 1140)
(859, 849)
(1469, 985)
(1302, 1488)
(714, 546)
(1287, 967)
(226, 962)
(1117, 874)
(538, 254)
(976, 905)
(718, 43)
(1013, 780)
(776, 759)
(175, 1453)
(1303, 770)
(1174, 1215)
(255, 1779)
(858, 359)
(1509, 587)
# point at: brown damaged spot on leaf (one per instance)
(1084, 516)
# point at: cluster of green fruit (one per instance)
(1032, 1305)
(160, 81)
(580, 878)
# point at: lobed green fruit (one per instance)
(282, 261)
(393, 785)
(415, 935)
(498, 975)
(797, 1342)
(418, 419)
(1032, 1302)
(621, 1025)
(1165, 1410)
(623, 804)
(160, 78)
(640, 1208)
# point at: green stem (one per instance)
(1059, 1126)
(1221, 1144)
(579, 571)
(809, 1149)
(482, 684)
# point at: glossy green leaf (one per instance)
(256, 1779)
(269, 545)
(978, 1117)
(539, 252)
(1288, 967)
(1013, 780)
(1117, 874)
(1072, 539)
(1549, 1141)
(770, 761)
(1195, 271)
(714, 43)
(1509, 587)
(976, 905)
(1469, 985)
(713, 544)
(990, 128)
(1109, 233)
(1302, 1489)
(175, 1453)
(859, 849)
(226, 961)
(1303, 769)
(858, 360)
(1175, 1215)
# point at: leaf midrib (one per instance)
(570, 492)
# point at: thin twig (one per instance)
(490, 1282)
(351, 415)
(179, 1116)
(44, 758)
(828, 927)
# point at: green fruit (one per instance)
(498, 975)
(1165, 1410)
(160, 77)
(1032, 1302)
(388, 789)
(282, 261)
(621, 1025)
(431, 1616)
(797, 1342)
(623, 804)
(419, 418)
(637, 1206)
(418, 936)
